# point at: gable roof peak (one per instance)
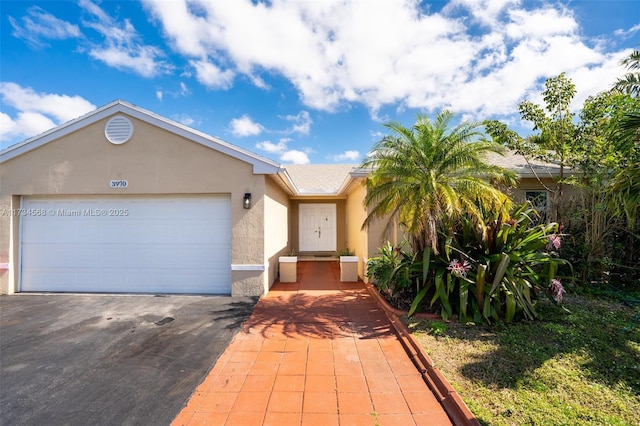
(261, 165)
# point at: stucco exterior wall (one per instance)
(531, 184)
(357, 238)
(276, 230)
(153, 161)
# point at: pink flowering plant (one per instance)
(556, 290)
(459, 268)
(554, 242)
(493, 271)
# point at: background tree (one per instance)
(602, 147)
(556, 135)
(625, 190)
(605, 154)
(429, 175)
(626, 187)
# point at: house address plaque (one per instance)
(118, 183)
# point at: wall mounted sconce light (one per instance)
(246, 201)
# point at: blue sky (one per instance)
(302, 81)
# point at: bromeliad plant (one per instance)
(494, 271)
(392, 270)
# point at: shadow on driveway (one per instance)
(109, 359)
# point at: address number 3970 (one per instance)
(118, 184)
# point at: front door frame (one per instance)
(326, 242)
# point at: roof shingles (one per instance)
(320, 179)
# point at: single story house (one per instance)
(124, 200)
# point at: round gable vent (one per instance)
(118, 130)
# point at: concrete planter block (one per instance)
(349, 268)
(288, 269)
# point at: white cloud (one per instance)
(36, 112)
(292, 156)
(350, 155)
(61, 107)
(540, 23)
(40, 24)
(185, 119)
(295, 157)
(628, 32)
(472, 56)
(212, 76)
(184, 90)
(123, 48)
(377, 135)
(273, 148)
(589, 81)
(25, 125)
(301, 123)
(245, 126)
(141, 60)
(485, 12)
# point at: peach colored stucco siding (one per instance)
(277, 242)
(153, 161)
(357, 238)
(531, 184)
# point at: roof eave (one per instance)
(287, 181)
(354, 175)
(57, 132)
(261, 165)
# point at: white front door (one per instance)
(317, 227)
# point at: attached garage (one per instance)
(122, 200)
(161, 244)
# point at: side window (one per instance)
(540, 201)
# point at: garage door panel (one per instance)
(160, 244)
(88, 255)
(149, 232)
(40, 231)
(86, 231)
(113, 255)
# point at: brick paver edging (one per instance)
(454, 406)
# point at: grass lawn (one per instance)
(567, 369)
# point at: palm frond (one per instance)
(430, 174)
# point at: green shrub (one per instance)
(492, 272)
(391, 271)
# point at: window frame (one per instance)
(531, 195)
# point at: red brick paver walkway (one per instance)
(315, 352)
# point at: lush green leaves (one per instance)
(482, 275)
(630, 83)
(601, 146)
(431, 174)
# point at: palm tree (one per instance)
(626, 184)
(630, 83)
(625, 191)
(429, 175)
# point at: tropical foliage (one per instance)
(630, 83)
(391, 270)
(555, 140)
(601, 146)
(488, 274)
(426, 177)
(473, 257)
(625, 190)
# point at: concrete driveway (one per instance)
(109, 359)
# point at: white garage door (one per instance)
(177, 244)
